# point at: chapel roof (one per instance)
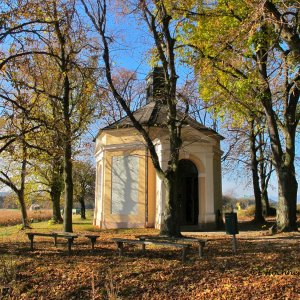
(155, 114)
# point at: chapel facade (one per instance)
(129, 194)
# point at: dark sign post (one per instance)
(231, 225)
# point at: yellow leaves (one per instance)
(12, 49)
(89, 87)
(153, 57)
(2, 122)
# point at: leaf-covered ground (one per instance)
(265, 267)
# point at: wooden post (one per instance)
(184, 252)
(201, 248)
(55, 240)
(233, 243)
(31, 236)
(70, 242)
(93, 240)
(120, 248)
(143, 248)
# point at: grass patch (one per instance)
(45, 226)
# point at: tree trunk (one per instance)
(283, 161)
(25, 222)
(56, 213)
(56, 189)
(263, 177)
(68, 189)
(171, 217)
(82, 208)
(285, 169)
(264, 186)
(68, 165)
(265, 198)
(287, 204)
(21, 192)
(258, 217)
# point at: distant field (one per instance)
(10, 217)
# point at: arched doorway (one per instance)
(188, 192)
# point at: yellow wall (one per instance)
(218, 182)
(124, 136)
(151, 194)
(116, 220)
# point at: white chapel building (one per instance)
(129, 194)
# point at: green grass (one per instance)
(78, 225)
(9, 230)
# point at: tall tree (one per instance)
(265, 169)
(244, 147)
(159, 21)
(285, 43)
(234, 41)
(258, 216)
(14, 170)
(48, 165)
(66, 81)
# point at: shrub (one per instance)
(250, 211)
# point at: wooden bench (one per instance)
(120, 245)
(91, 237)
(68, 236)
(200, 242)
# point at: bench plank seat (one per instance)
(68, 236)
(120, 245)
(201, 242)
(91, 237)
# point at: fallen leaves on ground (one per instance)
(263, 268)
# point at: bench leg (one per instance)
(31, 241)
(184, 252)
(143, 248)
(55, 241)
(70, 242)
(201, 249)
(93, 241)
(120, 248)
